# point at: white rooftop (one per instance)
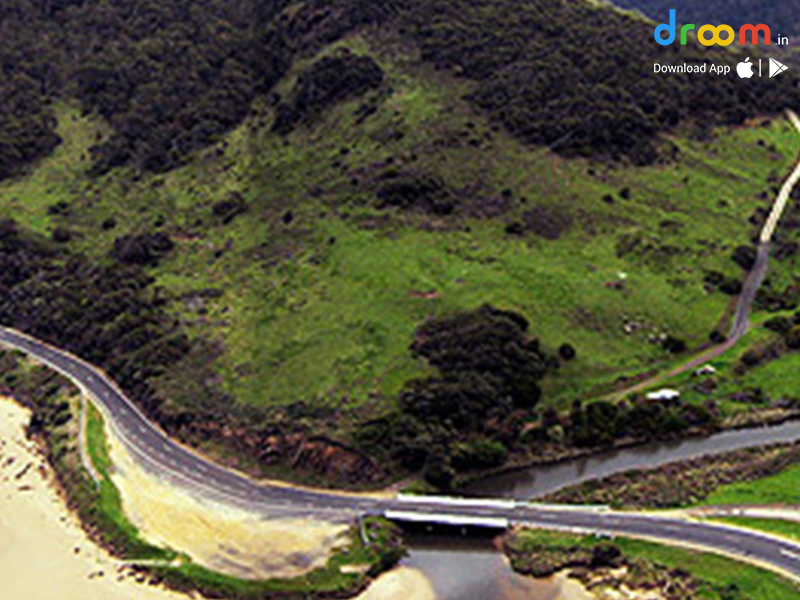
(664, 394)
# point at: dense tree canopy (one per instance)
(172, 76)
(489, 368)
(329, 80)
(106, 314)
(169, 76)
(27, 124)
(488, 343)
(579, 77)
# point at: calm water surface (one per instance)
(530, 483)
(469, 569)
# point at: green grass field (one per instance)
(717, 572)
(720, 572)
(782, 488)
(323, 309)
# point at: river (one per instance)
(458, 568)
(471, 569)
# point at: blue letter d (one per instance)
(668, 28)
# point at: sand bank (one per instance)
(400, 584)
(217, 536)
(571, 589)
(44, 554)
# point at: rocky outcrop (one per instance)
(326, 459)
(335, 461)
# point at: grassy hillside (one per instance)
(324, 307)
(306, 244)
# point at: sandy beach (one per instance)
(44, 554)
(400, 584)
(220, 537)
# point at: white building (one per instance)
(664, 395)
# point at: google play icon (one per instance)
(775, 67)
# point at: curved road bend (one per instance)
(165, 458)
(750, 287)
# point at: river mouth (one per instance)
(470, 567)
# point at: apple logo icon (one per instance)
(745, 69)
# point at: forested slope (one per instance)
(171, 77)
(269, 221)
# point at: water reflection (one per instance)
(470, 568)
(537, 481)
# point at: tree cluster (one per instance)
(601, 423)
(328, 81)
(771, 299)
(170, 77)
(489, 367)
(788, 328)
(745, 257)
(107, 314)
(230, 208)
(490, 344)
(27, 123)
(407, 192)
(144, 249)
(730, 286)
(570, 74)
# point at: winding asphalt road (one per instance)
(750, 287)
(165, 458)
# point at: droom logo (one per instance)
(716, 37)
